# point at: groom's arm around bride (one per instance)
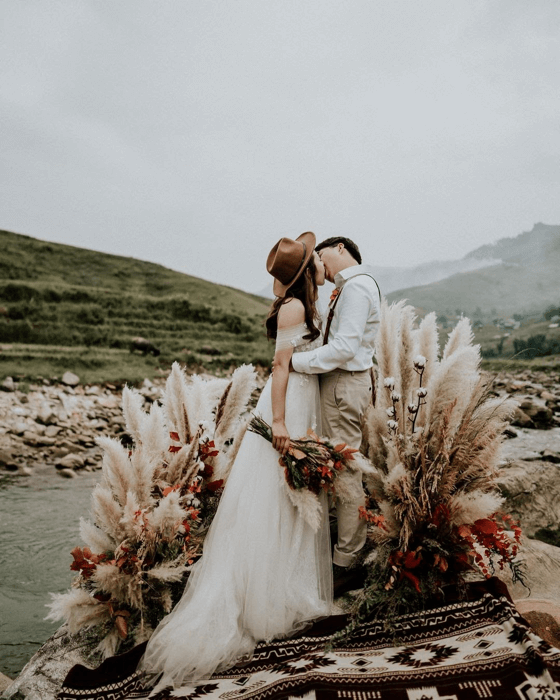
(344, 363)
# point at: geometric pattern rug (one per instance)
(466, 650)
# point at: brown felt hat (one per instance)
(288, 259)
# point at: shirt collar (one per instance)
(344, 275)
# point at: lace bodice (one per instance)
(293, 337)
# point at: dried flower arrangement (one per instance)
(154, 506)
(433, 438)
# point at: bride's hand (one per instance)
(280, 437)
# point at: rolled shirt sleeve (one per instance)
(356, 306)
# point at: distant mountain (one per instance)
(527, 278)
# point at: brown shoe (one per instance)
(346, 579)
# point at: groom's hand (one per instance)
(291, 367)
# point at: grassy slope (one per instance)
(71, 308)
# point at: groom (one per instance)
(345, 364)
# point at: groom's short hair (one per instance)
(350, 246)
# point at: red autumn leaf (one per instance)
(194, 514)
(338, 466)
(215, 485)
(122, 626)
(298, 454)
(464, 531)
(187, 526)
(169, 489)
(175, 436)
(340, 447)
(487, 527)
(411, 577)
(174, 448)
(412, 559)
(325, 471)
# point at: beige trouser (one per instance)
(345, 397)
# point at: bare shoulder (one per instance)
(291, 313)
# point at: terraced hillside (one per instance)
(64, 307)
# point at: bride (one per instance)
(264, 572)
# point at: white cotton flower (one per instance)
(392, 424)
(419, 361)
(389, 382)
(395, 396)
(420, 393)
(391, 412)
(412, 408)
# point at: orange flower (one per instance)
(335, 292)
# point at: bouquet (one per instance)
(313, 465)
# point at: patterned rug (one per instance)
(478, 648)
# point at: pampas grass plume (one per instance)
(428, 345)
(460, 337)
(242, 386)
(107, 512)
(78, 608)
(117, 470)
(134, 416)
(95, 538)
(469, 507)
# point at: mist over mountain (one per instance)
(526, 280)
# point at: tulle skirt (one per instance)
(264, 572)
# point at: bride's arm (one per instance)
(290, 314)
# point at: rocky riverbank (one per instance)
(56, 424)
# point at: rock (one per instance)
(547, 396)
(19, 428)
(70, 379)
(7, 460)
(36, 440)
(42, 676)
(540, 414)
(92, 390)
(510, 433)
(8, 384)
(70, 461)
(521, 419)
(542, 566)
(5, 682)
(52, 430)
(46, 415)
(550, 456)
(67, 473)
(532, 492)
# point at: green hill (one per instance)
(64, 307)
(526, 281)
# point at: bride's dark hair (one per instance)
(304, 289)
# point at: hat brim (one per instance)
(309, 240)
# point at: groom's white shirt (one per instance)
(353, 328)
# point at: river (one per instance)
(39, 518)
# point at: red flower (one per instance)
(175, 436)
(174, 448)
(214, 486)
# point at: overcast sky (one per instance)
(195, 133)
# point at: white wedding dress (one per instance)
(264, 572)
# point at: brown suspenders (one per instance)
(329, 322)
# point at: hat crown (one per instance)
(288, 259)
